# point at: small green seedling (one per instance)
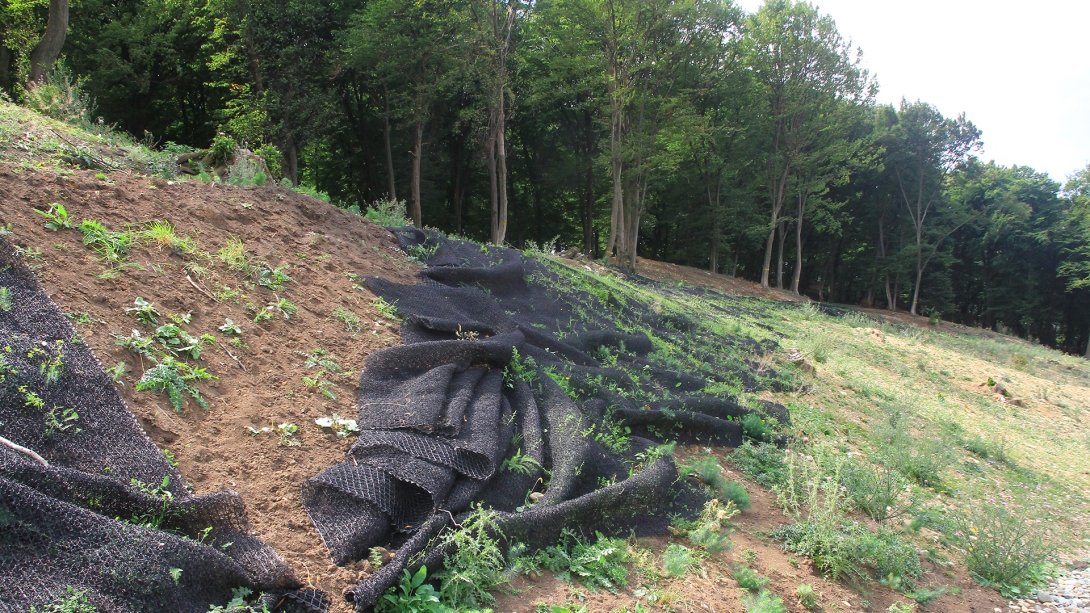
(144, 312)
(57, 216)
(321, 357)
(341, 427)
(320, 384)
(386, 309)
(229, 327)
(287, 433)
(273, 278)
(350, 320)
(56, 424)
(117, 372)
(7, 302)
(286, 308)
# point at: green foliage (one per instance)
(411, 595)
(286, 432)
(340, 426)
(763, 602)
(283, 306)
(762, 462)
(476, 563)
(238, 603)
(386, 309)
(1005, 549)
(223, 149)
(707, 469)
(65, 421)
(57, 217)
(748, 579)
(174, 379)
(61, 95)
(273, 278)
(321, 358)
(921, 457)
(878, 492)
(521, 464)
(112, 247)
(6, 300)
(75, 602)
(351, 321)
(678, 560)
(520, 368)
(807, 595)
(600, 564)
(321, 385)
(229, 327)
(144, 311)
(233, 254)
(271, 155)
(756, 428)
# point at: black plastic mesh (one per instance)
(438, 417)
(82, 521)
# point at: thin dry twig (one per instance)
(237, 361)
(5, 442)
(200, 289)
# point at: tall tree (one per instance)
(923, 148)
(803, 63)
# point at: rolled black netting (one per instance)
(108, 516)
(499, 365)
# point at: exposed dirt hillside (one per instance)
(260, 379)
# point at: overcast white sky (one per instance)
(1020, 70)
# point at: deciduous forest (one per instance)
(687, 131)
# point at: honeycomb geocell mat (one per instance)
(499, 365)
(82, 522)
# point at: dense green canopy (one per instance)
(681, 130)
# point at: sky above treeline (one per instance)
(1020, 70)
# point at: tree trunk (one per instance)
(1088, 349)
(501, 171)
(768, 251)
(49, 47)
(386, 141)
(781, 232)
(418, 152)
(291, 159)
(6, 55)
(493, 182)
(919, 269)
(798, 246)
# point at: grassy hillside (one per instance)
(921, 462)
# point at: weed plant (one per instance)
(411, 595)
(678, 560)
(112, 247)
(144, 312)
(7, 301)
(807, 596)
(60, 423)
(763, 602)
(386, 309)
(74, 602)
(748, 579)
(764, 463)
(879, 492)
(839, 547)
(709, 472)
(174, 379)
(476, 564)
(351, 321)
(1004, 538)
(389, 213)
(601, 564)
(57, 217)
(922, 457)
(755, 428)
(273, 278)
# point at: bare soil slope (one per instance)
(260, 383)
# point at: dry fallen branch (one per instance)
(5, 442)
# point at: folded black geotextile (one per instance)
(498, 392)
(82, 521)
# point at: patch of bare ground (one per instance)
(260, 381)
